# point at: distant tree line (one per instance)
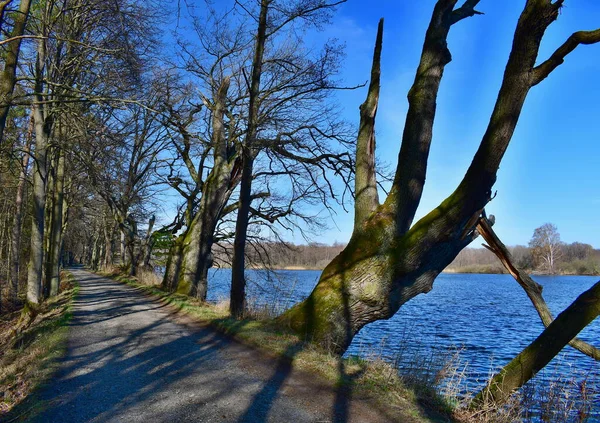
(544, 254)
(576, 258)
(279, 255)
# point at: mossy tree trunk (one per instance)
(387, 261)
(531, 287)
(190, 257)
(538, 354)
(169, 282)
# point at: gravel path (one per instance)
(131, 359)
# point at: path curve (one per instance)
(131, 359)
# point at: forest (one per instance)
(144, 148)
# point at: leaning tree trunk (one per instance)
(538, 354)
(531, 287)
(385, 264)
(196, 248)
(197, 257)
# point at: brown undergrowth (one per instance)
(31, 341)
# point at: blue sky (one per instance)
(551, 170)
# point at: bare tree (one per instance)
(293, 129)
(273, 18)
(389, 260)
(546, 247)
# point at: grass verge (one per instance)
(29, 349)
(374, 378)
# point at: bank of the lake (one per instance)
(487, 316)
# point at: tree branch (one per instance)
(542, 71)
(365, 182)
(465, 11)
(532, 288)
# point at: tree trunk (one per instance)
(538, 354)
(95, 251)
(237, 300)
(197, 259)
(8, 77)
(238, 280)
(122, 249)
(195, 246)
(173, 267)
(108, 246)
(148, 244)
(56, 226)
(130, 244)
(198, 240)
(384, 264)
(36, 260)
(18, 221)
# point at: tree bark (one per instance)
(148, 244)
(538, 354)
(36, 260)
(383, 266)
(122, 248)
(129, 228)
(195, 249)
(238, 280)
(173, 266)
(53, 269)
(107, 260)
(365, 184)
(43, 124)
(18, 221)
(8, 77)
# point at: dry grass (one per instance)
(29, 349)
(549, 399)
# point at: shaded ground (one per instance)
(130, 359)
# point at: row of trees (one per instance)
(238, 125)
(65, 62)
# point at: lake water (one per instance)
(488, 317)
